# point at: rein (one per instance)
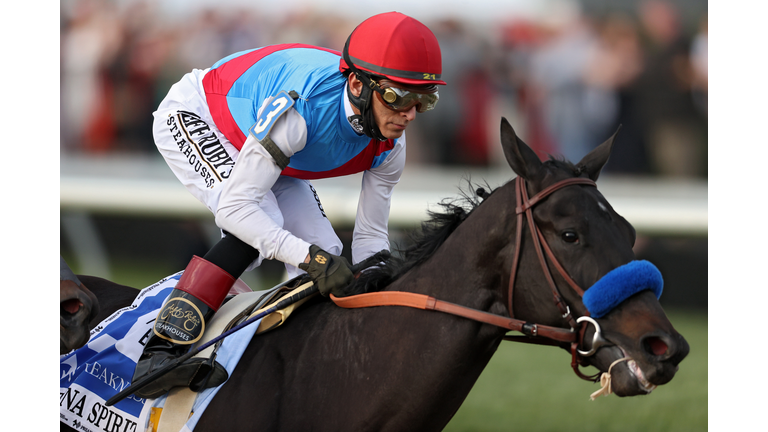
(534, 333)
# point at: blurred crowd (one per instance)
(565, 81)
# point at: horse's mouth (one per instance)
(633, 368)
(74, 312)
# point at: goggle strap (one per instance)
(362, 102)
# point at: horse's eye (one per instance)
(570, 237)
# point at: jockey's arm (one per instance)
(254, 174)
(371, 233)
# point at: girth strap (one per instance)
(425, 302)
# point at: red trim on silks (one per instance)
(206, 281)
(218, 82)
(359, 163)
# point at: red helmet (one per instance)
(395, 46)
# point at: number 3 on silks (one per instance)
(272, 111)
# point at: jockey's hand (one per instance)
(330, 273)
(378, 259)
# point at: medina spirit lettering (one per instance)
(75, 401)
(88, 409)
(100, 416)
(113, 422)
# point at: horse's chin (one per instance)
(73, 332)
(627, 377)
(631, 383)
(70, 341)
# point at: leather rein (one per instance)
(534, 333)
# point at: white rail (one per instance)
(146, 187)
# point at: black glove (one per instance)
(330, 273)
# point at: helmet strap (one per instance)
(362, 102)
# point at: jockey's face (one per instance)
(391, 123)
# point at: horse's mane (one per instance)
(423, 241)
(435, 230)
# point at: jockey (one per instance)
(245, 137)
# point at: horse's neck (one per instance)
(465, 269)
(468, 269)
(446, 354)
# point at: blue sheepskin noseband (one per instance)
(621, 283)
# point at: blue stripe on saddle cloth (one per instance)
(104, 366)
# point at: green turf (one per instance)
(532, 388)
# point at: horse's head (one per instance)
(582, 240)
(77, 307)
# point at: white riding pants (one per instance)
(202, 158)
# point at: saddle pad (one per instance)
(178, 408)
(104, 366)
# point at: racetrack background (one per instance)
(124, 217)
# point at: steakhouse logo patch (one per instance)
(180, 321)
(201, 147)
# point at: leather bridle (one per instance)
(534, 333)
(523, 209)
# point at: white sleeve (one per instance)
(254, 174)
(371, 232)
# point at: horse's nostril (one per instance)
(71, 306)
(656, 346)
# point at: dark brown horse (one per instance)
(77, 307)
(399, 368)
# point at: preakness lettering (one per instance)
(201, 147)
(107, 377)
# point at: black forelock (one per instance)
(559, 163)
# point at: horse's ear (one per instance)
(593, 162)
(520, 157)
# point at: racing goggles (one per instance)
(403, 99)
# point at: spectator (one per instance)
(443, 133)
(699, 62)
(676, 132)
(566, 79)
(615, 65)
(90, 41)
(574, 107)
